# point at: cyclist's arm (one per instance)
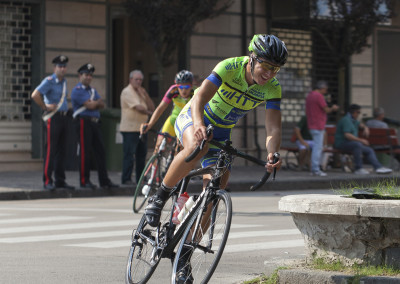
(156, 115)
(273, 126)
(204, 95)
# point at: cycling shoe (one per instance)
(153, 210)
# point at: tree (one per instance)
(167, 24)
(344, 26)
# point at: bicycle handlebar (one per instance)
(266, 175)
(233, 151)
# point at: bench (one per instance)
(385, 141)
(381, 140)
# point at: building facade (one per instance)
(101, 32)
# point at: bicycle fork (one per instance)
(201, 225)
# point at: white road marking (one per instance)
(42, 219)
(46, 238)
(106, 245)
(69, 210)
(73, 226)
(228, 248)
(253, 234)
(264, 245)
(236, 235)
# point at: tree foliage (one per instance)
(345, 25)
(168, 23)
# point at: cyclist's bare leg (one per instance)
(179, 168)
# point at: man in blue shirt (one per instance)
(86, 103)
(51, 96)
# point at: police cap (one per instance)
(86, 68)
(60, 60)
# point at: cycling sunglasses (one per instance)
(184, 87)
(268, 67)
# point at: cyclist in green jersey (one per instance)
(235, 86)
(179, 94)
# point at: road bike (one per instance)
(154, 171)
(204, 230)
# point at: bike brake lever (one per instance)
(276, 159)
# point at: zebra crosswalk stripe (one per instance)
(232, 235)
(61, 237)
(228, 248)
(42, 219)
(88, 225)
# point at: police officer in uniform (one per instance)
(86, 103)
(51, 96)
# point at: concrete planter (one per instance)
(346, 229)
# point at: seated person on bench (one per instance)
(346, 139)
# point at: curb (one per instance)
(64, 193)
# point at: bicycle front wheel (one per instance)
(198, 256)
(147, 246)
(148, 184)
(143, 256)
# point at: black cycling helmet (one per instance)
(270, 48)
(184, 77)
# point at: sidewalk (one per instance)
(28, 185)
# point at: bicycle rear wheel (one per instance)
(146, 180)
(147, 246)
(207, 248)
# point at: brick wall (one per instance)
(15, 58)
(295, 77)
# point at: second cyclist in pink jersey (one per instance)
(179, 94)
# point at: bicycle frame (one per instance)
(209, 191)
(168, 251)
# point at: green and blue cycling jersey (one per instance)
(233, 99)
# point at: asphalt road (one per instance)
(86, 240)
